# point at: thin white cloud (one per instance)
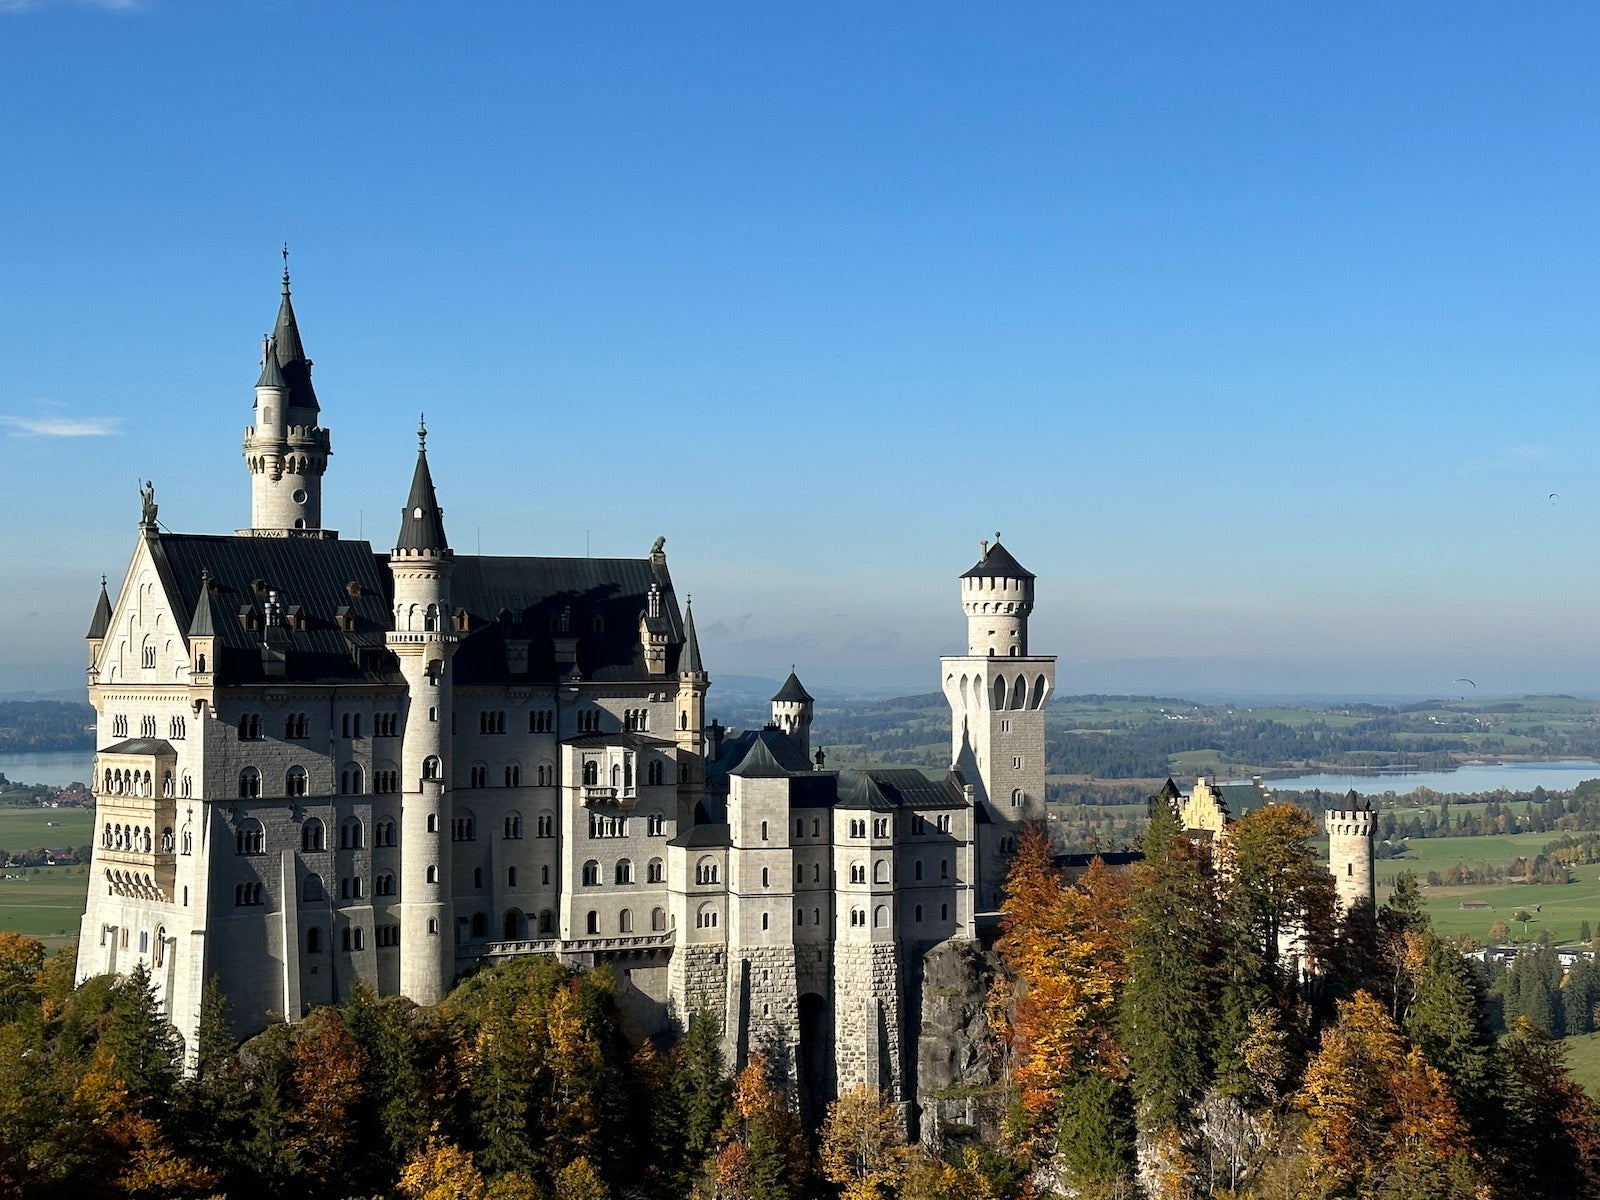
(16, 8)
(60, 427)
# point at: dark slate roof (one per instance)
(141, 746)
(777, 746)
(793, 692)
(998, 563)
(709, 836)
(882, 789)
(422, 521)
(292, 360)
(313, 573)
(522, 599)
(633, 741)
(271, 374)
(1242, 796)
(100, 624)
(760, 763)
(689, 659)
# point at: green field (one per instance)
(44, 902)
(1561, 907)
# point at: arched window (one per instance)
(384, 832)
(858, 872)
(313, 940)
(706, 870)
(763, 831)
(944, 868)
(655, 825)
(547, 921)
(249, 838)
(1016, 797)
(513, 775)
(766, 877)
(311, 836)
(591, 873)
(547, 825)
(658, 920)
(653, 773)
(350, 834)
(880, 916)
(433, 822)
(249, 783)
(351, 781)
(919, 914)
(592, 924)
(433, 874)
(916, 869)
(480, 925)
(311, 891)
(186, 841)
(513, 826)
(654, 871)
(706, 918)
(880, 871)
(625, 921)
(430, 767)
(591, 773)
(511, 925)
(383, 885)
(624, 870)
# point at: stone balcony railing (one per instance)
(609, 797)
(552, 945)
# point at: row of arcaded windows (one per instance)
(655, 872)
(177, 727)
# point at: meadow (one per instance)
(44, 902)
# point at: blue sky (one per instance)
(1264, 334)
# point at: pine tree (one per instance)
(1170, 1004)
(142, 1043)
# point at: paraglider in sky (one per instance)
(1554, 496)
(1464, 679)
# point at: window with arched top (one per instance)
(880, 871)
(311, 890)
(658, 920)
(350, 834)
(624, 873)
(249, 783)
(592, 922)
(313, 940)
(432, 874)
(591, 773)
(312, 836)
(591, 874)
(431, 767)
(352, 781)
(705, 870)
(625, 921)
(654, 871)
(250, 837)
(858, 872)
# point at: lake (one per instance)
(1474, 777)
(57, 767)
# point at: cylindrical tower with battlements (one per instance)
(1350, 832)
(997, 596)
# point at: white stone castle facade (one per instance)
(321, 763)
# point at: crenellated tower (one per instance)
(998, 694)
(1351, 830)
(286, 450)
(422, 640)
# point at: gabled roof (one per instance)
(100, 623)
(997, 563)
(704, 836)
(526, 600)
(885, 788)
(422, 521)
(760, 763)
(793, 692)
(321, 575)
(777, 749)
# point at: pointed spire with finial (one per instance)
(290, 353)
(203, 624)
(422, 523)
(689, 658)
(101, 624)
(271, 373)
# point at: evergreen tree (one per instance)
(1169, 1006)
(1095, 1131)
(143, 1045)
(1579, 995)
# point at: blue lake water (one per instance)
(1475, 777)
(56, 767)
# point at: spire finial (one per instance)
(422, 432)
(102, 581)
(997, 535)
(286, 268)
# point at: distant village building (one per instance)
(321, 763)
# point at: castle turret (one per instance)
(99, 627)
(690, 723)
(286, 449)
(421, 564)
(998, 693)
(1351, 829)
(791, 712)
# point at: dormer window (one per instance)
(345, 616)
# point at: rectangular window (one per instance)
(1005, 725)
(1016, 763)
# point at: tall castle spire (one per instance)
(422, 521)
(286, 450)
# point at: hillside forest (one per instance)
(1182, 1029)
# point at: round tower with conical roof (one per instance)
(422, 640)
(791, 711)
(286, 449)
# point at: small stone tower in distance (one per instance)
(286, 449)
(422, 640)
(998, 693)
(1350, 832)
(791, 712)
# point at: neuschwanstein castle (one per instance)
(321, 763)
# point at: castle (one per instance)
(320, 763)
